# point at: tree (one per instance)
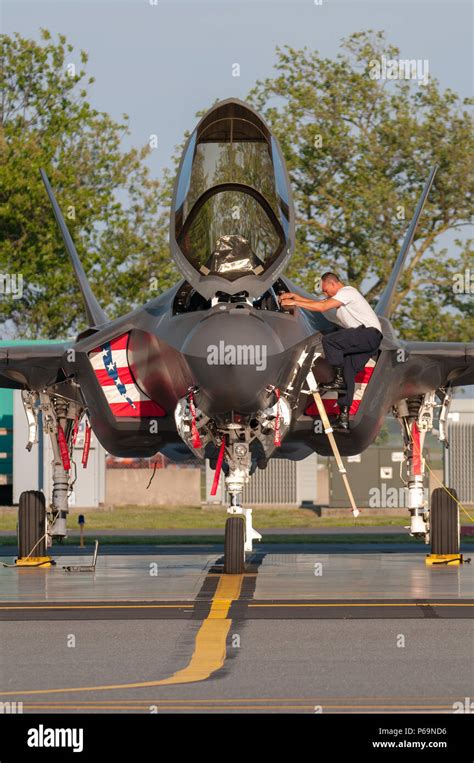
(359, 150)
(115, 211)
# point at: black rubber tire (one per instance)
(234, 546)
(31, 523)
(444, 522)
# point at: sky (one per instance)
(162, 63)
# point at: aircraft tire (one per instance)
(31, 523)
(444, 522)
(234, 546)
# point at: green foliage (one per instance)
(113, 208)
(359, 151)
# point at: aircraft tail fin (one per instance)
(385, 303)
(95, 314)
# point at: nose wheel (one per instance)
(239, 538)
(234, 545)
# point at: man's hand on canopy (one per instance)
(289, 299)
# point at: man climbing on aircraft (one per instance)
(349, 348)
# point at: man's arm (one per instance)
(289, 299)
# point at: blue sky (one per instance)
(161, 64)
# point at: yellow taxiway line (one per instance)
(209, 649)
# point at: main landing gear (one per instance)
(437, 523)
(38, 524)
(444, 528)
(31, 530)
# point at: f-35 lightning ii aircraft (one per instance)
(215, 367)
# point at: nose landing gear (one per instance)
(239, 537)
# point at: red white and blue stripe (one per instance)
(110, 364)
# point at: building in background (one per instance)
(282, 483)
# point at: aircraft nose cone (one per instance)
(233, 356)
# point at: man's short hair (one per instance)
(329, 276)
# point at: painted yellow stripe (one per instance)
(210, 647)
(209, 650)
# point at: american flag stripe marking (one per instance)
(110, 364)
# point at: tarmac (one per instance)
(307, 628)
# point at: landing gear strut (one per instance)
(438, 524)
(243, 441)
(37, 524)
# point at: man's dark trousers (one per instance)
(350, 349)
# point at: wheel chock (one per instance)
(35, 561)
(444, 559)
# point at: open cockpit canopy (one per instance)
(232, 226)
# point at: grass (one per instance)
(196, 518)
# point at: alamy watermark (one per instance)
(43, 736)
(12, 283)
(223, 354)
(400, 68)
(390, 497)
(463, 283)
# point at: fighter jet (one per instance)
(214, 367)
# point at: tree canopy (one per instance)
(359, 150)
(112, 206)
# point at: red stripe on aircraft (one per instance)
(142, 408)
(331, 407)
(120, 343)
(106, 381)
(363, 376)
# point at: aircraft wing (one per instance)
(454, 359)
(31, 365)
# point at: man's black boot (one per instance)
(342, 421)
(337, 383)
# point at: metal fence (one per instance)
(460, 460)
(276, 484)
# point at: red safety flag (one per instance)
(220, 459)
(75, 430)
(87, 446)
(277, 436)
(197, 442)
(63, 449)
(416, 447)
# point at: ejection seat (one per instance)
(233, 255)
